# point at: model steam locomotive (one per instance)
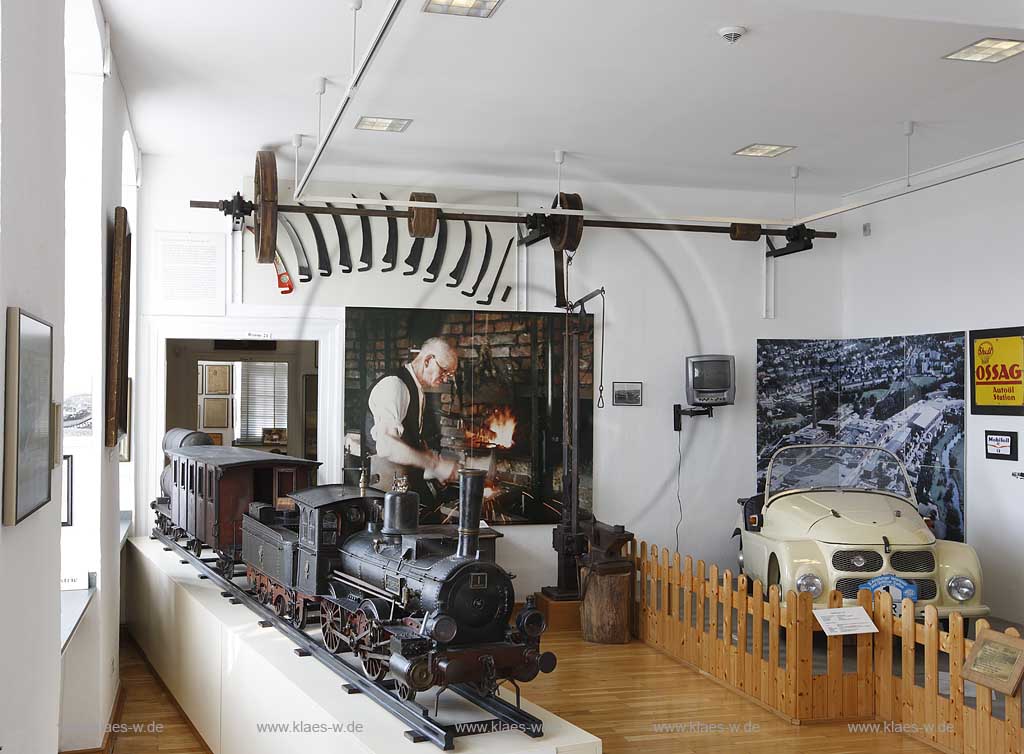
(418, 603)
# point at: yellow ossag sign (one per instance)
(999, 371)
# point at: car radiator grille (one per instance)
(842, 560)
(913, 561)
(926, 588)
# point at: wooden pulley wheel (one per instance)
(566, 230)
(264, 197)
(745, 232)
(422, 220)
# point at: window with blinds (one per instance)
(263, 399)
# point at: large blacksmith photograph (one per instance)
(427, 391)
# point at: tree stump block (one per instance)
(604, 612)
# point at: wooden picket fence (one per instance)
(764, 649)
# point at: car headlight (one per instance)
(960, 588)
(810, 582)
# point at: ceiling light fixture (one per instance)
(394, 125)
(988, 51)
(474, 8)
(763, 150)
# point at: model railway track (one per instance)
(422, 726)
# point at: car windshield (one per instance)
(836, 467)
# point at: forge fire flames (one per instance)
(496, 430)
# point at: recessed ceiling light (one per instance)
(989, 51)
(476, 8)
(763, 150)
(394, 125)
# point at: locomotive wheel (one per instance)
(405, 693)
(331, 624)
(265, 212)
(300, 616)
(280, 608)
(197, 548)
(263, 593)
(374, 668)
(226, 567)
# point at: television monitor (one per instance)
(711, 380)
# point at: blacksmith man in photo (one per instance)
(394, 422)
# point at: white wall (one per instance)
(948, 258)
(32, 276)
(669, 295)
(92, 543)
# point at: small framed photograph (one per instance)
(275, 436)
(627, 393)
(218, 379)
(217, 413)
(1000, 445)
(67, 491)
(28, 416)
(217, 437)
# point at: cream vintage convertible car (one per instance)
(844, 517)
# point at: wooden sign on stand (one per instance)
(996, 661)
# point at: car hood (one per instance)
(858, 518)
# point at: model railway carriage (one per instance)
(427, 605)
(207, 489)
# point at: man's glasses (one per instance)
(446, 374)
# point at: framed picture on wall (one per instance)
(997, 371)
(217, 413)
(218, 379)
(118, 319)
(28, 416)
(627, 393)
(217, 437)
(199, 389)
(67, 491)
(124, 445)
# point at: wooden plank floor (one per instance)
(619, 693)
(147, 702)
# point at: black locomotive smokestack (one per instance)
(471, 503)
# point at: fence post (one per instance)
(931, 671)
(865, 643)
(805, 655)
(757, 627)
(634, 623)
(725, 655)
(1013, 732)
(642, 616)
(792, 655)
(774, 621)
(883, 656)
(714, 585)
(676, 648)
(702, 639)
(835, 664)
(689, 637)
(908, 639)
(983, 708)
(743, 665)
(956, 681)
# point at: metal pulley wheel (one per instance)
(566, 230)
(422, 220)
(265, 210)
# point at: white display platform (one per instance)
(230, 676)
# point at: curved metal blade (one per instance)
(344, 253)
(460, 267)
(305, 274)
(323, 260)
(415, 254)
(366, 255)
(391, 250)
(501, 268)
(483, 266)
(434, 269)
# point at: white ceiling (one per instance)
(642, 92)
